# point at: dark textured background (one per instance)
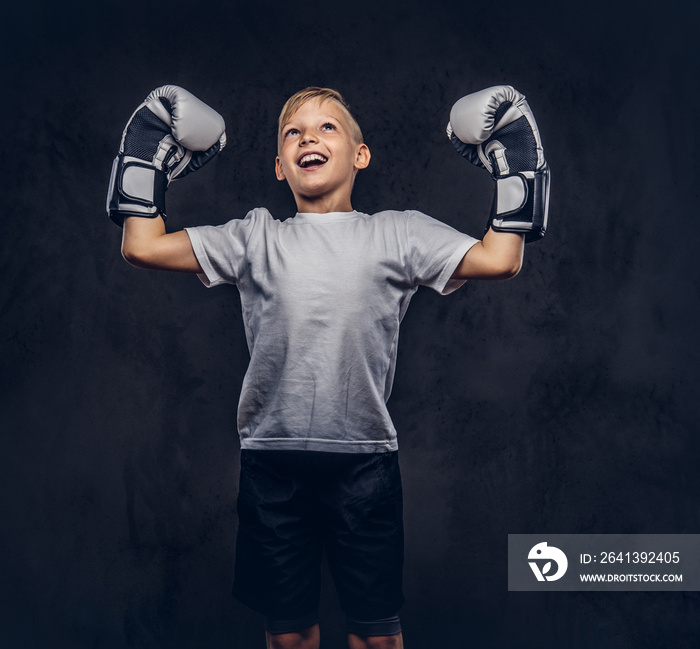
(562, 401)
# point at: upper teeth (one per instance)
(312, 157)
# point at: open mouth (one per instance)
(312, 160)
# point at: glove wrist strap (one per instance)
(521, 204)
(135, 189)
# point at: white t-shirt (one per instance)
(322, 297)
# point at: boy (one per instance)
(323, 294)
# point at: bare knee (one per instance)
(306, 639)
(375, 642)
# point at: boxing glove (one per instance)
(171, 134)
(495, 129)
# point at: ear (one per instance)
(278, 169)
(362, 156)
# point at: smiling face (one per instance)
(319, 156)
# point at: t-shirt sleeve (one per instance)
(221, 249)
(434, 252)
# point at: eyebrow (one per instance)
(290, 123)
(337, 119)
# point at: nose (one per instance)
(307, 137)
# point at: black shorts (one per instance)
(294, 504)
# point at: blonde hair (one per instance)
(298, 99)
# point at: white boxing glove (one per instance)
(169, 135)
(495, 130)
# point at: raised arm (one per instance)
(496, 130)
(145, 244)
(498, 256)
(171, 134)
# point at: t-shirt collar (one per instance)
(314, 217)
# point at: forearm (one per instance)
(498, 256)
(145, 244)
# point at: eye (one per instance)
(291, 131)
(328, 127)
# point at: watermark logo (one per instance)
(542, 552)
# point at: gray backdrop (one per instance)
(563, 401)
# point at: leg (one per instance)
(307, 639)
(278, 548)
(375, 642)
(365, 548)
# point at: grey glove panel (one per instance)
(473, 117)
(194, 124)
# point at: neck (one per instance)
(323, 204)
